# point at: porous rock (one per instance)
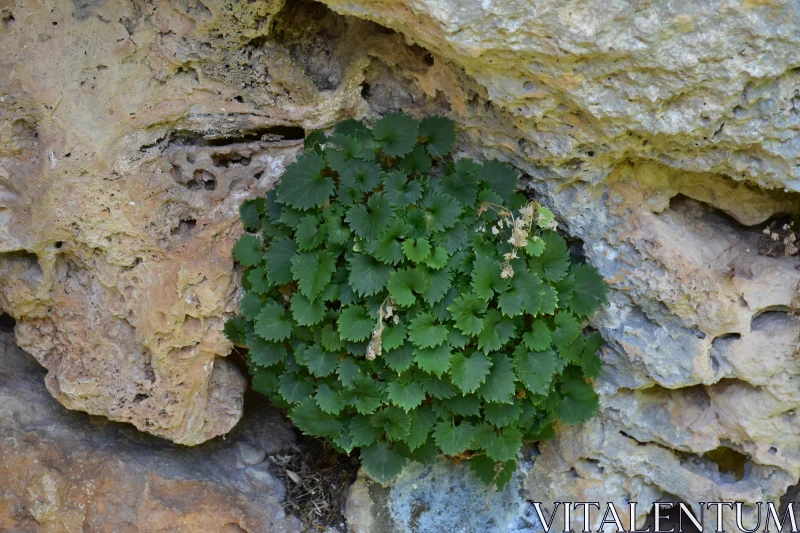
(663, 135)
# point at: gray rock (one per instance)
(67, 471)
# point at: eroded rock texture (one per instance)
(68, 472)
(663, 134)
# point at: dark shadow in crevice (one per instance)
(7, 323)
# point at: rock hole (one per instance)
(7, 323)
(773, 450)
(202, 179)
(729, 461)
(258, 175)
(428, 59)
(239, 99)
(184, 227)
(365, 90)
(590, 153)
(58, 244)
(139, 398)
(528, 86)
(767, 320)
(8, 18)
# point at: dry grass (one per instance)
(316, 478)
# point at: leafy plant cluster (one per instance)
(406, 304)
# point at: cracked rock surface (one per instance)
(663, 135)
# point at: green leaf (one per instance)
(352, 127)
(348, 371)
(469, 405)
(363, 176)
(422, 421)
(492, 472)
(524, 295)
(371, 221)
(355, 324)
(453, 439)
(500, 383)
(330, 339)
(313, 271)
(467, 311)
(250, 305)
(502, 414)
(404, 283)
(567, 329)
(272, 323)
(417, 250)
(416, 161)
(439, 283)
(309, 233)
(295, 388)
(266, 382)
(468, 373)
(349, 148)
(382, 463)
(247, 250)
(319, 362)
(393, 337)
(313, 140)
(400, 192)
(259, 281)
(367, 276)
(579, 403)
(535, 246)
(433, 360)
(397, 132)
(461, 181)
(362, 432)
(438, 259)
(305, 312)
(440, 388)
(263, 353)
(387, 248)
(592, 366)
(400, 359)
(329, 400)
(303, 184)
(250, 212)
(496, 331)
(311, 420)
(500, 177)
(535, 370)
(486, 279)
(368, 395)
(235, 330)
(424, 332)
(539, 337)
(589, 291)
(443, 210)
(505, 445)
(553, 262)
(279, 260)
(394, 421)
(438, 134)
(405, 395)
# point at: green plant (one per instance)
(406, 304)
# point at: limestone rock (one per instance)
(65, 472)
(663, 135)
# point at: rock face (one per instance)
(664, 135)
(66, 472)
